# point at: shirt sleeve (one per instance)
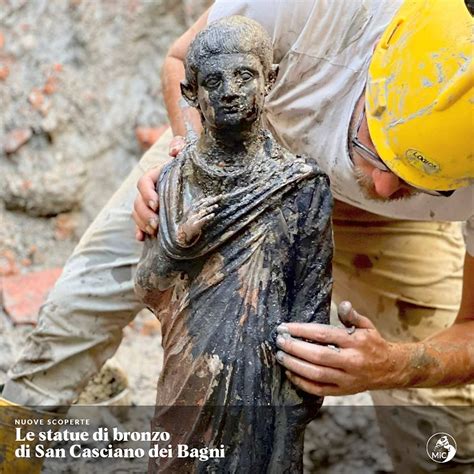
(284, 20)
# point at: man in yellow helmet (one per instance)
(395, 141)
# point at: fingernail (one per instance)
(149, 230)
(280, 341)
(344, 308)
(279, 356)
(153, 204)
(282, 329)
(153, 223)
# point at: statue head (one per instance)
(229, 70)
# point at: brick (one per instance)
(16, 138)
(146, 136)
(36, 98)
(65, 226)
(8, 264)
(23, 295)
(4, 72)
(51, 85)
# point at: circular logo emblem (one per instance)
(441, 447)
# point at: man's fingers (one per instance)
(350, 317)
(313, 388)
(139, 235)
(322, 333)
(313, 372)
(176, 145)
(311, 352)
(145, 219)
(147, 188)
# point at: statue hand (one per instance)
(198, 215)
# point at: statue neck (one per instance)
(228, 148)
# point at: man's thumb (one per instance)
(350, 317)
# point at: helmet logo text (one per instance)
(419, 161)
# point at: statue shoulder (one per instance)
(182, 160)
(302, 163)
(285, 157)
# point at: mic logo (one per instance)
(441, 447)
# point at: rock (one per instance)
(65, 226)
(23, 295)
(46, 192)
(8, 264)
(36, 98)
(193, 9)
(4, 72)
(51, 85)
(108, 383)
(16, 138)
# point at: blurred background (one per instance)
(80, 102)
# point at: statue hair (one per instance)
(234, 34)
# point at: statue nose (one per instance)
(230, 91)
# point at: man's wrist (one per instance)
(410, 367)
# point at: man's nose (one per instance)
(386, 183)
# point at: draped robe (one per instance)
(265, 259)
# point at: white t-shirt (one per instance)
(323, 48)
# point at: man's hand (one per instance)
(146, 204)
(329, 360)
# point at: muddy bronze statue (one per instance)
(244, 244)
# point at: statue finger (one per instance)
(206, 219)
(211, 200)
(207, 210)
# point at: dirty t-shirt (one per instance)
(323, 48)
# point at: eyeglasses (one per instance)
(368, 155)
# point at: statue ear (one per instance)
(272, 75)
(189, 94)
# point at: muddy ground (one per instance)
(77, 78)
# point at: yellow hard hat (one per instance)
(420, 93)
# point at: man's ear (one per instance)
(189, 94)
(272, 75)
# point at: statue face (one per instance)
(231, 90)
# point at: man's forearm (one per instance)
(171, 77)
(447, 358)
(172, 74)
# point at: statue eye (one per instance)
(246, 75)
(212, 82)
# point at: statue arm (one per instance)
(312, 282)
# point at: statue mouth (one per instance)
(231, 109)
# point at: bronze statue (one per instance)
(244, 244)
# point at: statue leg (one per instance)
(407, 276)
(80, 325)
